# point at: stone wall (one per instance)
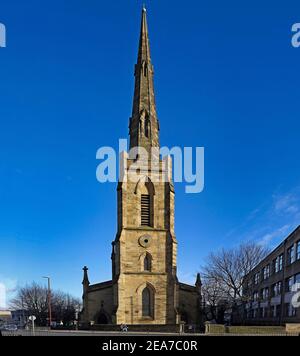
(189, 303)
(215, 329)
(99, 299)
(293, 328)
(139, 328)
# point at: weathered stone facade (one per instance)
(144, 289)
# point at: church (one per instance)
(144, 289)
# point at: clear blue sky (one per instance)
(227, 78)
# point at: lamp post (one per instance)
(49, 301)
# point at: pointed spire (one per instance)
(85, 281)
(144, 45)
(198, 281)
(144, 127)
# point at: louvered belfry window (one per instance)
(145, 210)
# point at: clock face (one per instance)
(145, 241)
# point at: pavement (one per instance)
(87, 333)
(116, 334)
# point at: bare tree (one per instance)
(224, 272)
(213, 296)
(34, 300)
(64, 307)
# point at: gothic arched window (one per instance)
(145, 69)
(145, 189)
(147, 303)
(147, 128)
(147, 263)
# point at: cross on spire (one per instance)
(85, 281)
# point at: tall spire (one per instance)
(144, 127)
(144, 45)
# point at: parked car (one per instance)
(11, 327)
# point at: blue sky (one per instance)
(226, 78)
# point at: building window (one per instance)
(255, 296)
(266, 272)
(291, 255)
(145, 190)
(263, 312)
(298, 250)
(145, 210)
(276, 289)
(290, 311)
(256, 278)
(147, 303)
(147, 263)
(145, 65)
(265, 294)
(273, 311)
(278, 311)
(289, 284)
(278, 264)
(147, 128)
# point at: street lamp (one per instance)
(49, 300)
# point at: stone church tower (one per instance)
(144, 256)
(144, 289)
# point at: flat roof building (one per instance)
(272, 289)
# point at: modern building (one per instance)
(144, 289)
(272, 289)
(20, 317)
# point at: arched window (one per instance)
(145, 69)
(145, 189)
(147, 263)
(147, 303)
(147, 128)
